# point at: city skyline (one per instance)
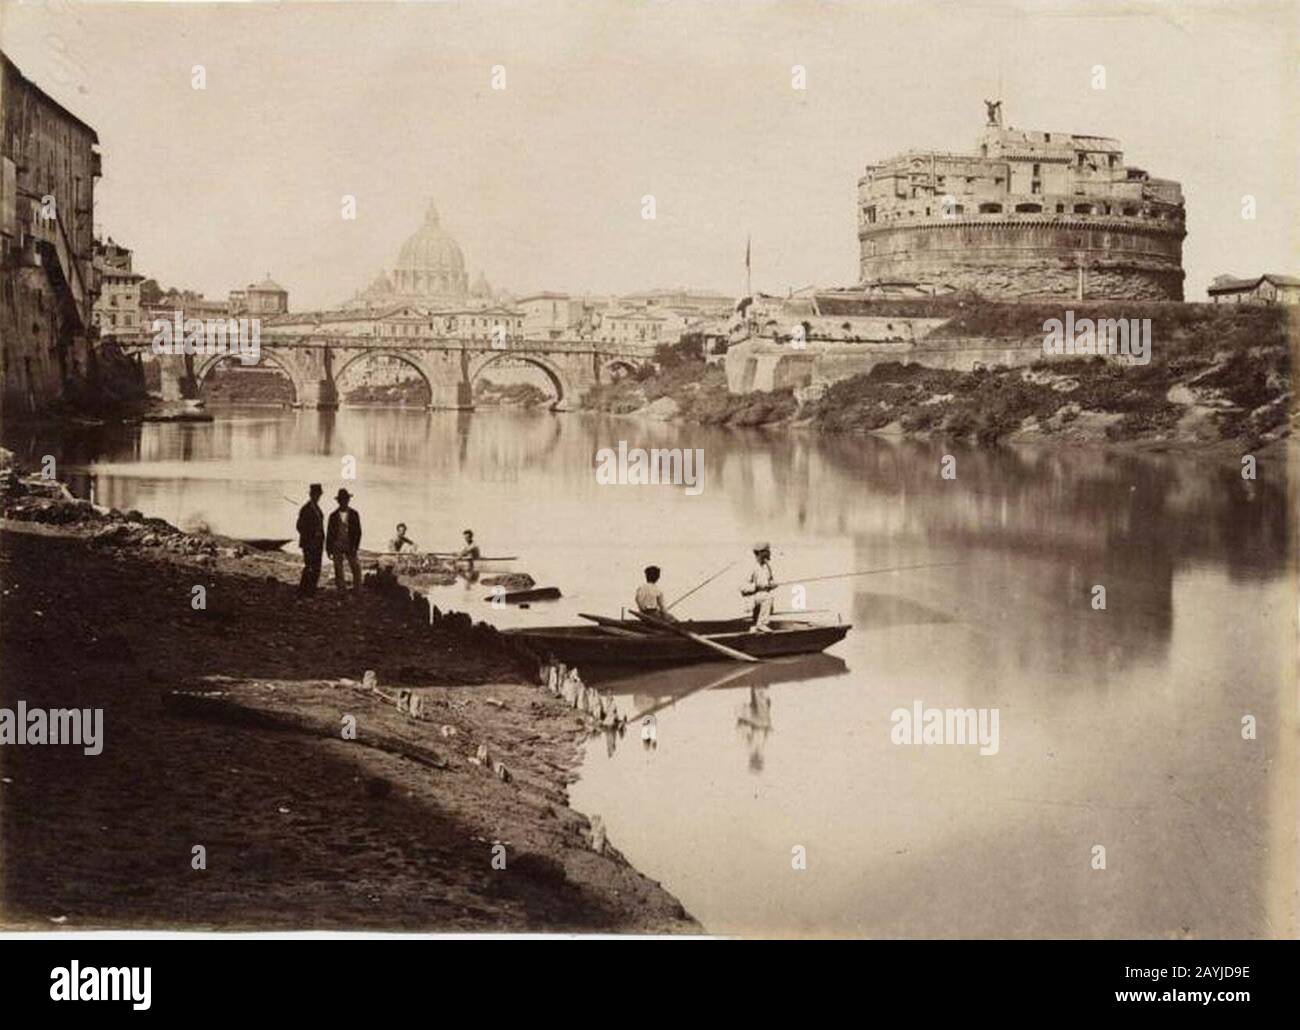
(542, 182)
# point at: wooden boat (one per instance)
(410, 563)
(261, 543)
(619, 644)
(535, 594)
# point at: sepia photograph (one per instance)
(776, 469)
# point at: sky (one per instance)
(542, 182)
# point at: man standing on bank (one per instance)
(343, 539)
(311, 538)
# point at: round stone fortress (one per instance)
(1031, 214)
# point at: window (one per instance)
(1029, 208)
(990, 209)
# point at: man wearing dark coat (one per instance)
(311, 538)
(343, 539)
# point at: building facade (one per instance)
(117, 306)
(552, 316)
(405, 322)
(1265, 289)
(1029, 214)
(49, 162)
(264, 300)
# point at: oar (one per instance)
(608, 623)
(729, 677)
(865, 572)
(700, 587)
(672, 627)
(481, 557)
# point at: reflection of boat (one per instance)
(262, 543)
(613, 645)
(676, 682)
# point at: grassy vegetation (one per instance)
(1237, 360)
(517, 395)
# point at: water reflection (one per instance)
(1119, 725)
(754, 722)
(649, 693)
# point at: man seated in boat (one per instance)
(758, 589)
(401, 540)
(650, 598)
(470, 551)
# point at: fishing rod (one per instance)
(864, 572)
(700, 587)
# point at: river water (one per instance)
(776, 800)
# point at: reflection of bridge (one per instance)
(315, 364)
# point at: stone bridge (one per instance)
(449, 366)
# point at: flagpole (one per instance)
(749, 286)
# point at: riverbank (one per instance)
(300, 827)
(1217, 377)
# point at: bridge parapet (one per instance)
(313, 362)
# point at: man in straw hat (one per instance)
(343, 539)
(758, 588)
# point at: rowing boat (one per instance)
(518, 596)
(619, 644)
(410, 563)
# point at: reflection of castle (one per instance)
(430, 273)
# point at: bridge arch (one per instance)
(406, 358)
(559, 381)
(205, 367)
(616, 368)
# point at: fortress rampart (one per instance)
(1030, 215)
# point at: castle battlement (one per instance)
(1029, 213)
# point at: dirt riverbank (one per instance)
(299, 830)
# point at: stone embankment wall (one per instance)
(762, 364)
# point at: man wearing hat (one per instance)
(342, 540)
(311, 538)
(758, 588)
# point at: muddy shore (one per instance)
(301, 828)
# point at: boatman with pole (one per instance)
(759, 588)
